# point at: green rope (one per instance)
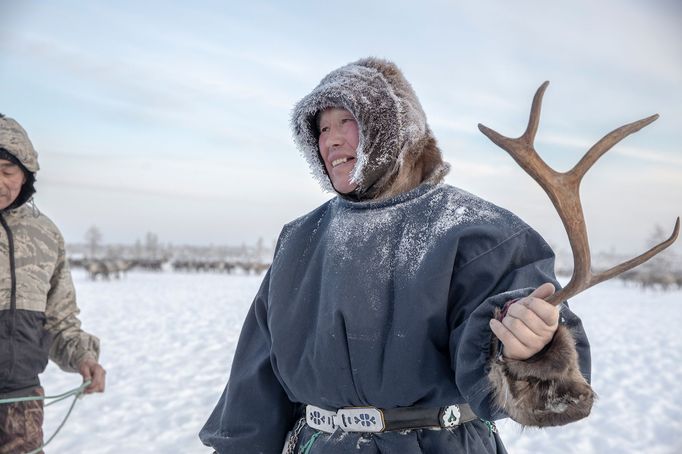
(309, 445)
(59, 397)
(76, 392)
(492, 428)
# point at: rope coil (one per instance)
(76, 392)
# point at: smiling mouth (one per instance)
(338, 162)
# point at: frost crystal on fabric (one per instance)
(372, 224)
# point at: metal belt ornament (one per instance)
(354, 419)
(450, 416)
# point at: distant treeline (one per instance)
(107, 261)
(663, 272)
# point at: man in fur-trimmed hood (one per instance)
(397, 150)
(415, 305)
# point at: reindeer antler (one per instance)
(563, 190)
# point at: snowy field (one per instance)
(168, 340)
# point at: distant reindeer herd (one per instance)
(647, 278)
(106, 269)
(650, 279)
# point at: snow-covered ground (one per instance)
(168, 340)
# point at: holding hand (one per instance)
(91, 370)
(528, 325)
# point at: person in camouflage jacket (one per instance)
(38, 311)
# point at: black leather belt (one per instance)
(371, 419)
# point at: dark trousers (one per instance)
(21, 425)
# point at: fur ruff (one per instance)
(544, 390)
(423, 165)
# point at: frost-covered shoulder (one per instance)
(303, 225)
(470, 210)
(479, 226)
(308, 218)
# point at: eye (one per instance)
(324, 129)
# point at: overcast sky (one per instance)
(173, 117)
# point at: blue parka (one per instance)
(381, 304)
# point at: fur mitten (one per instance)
(544, 390)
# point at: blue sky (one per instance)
(173, 117)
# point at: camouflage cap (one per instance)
(14, 139)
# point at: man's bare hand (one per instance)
(529, 324)
(91, 370)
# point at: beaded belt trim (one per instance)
(371, 419)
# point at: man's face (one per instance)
(338, 143)
(11, 179)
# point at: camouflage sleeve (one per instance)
(70, 345)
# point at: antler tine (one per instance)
(522, 148)
(536, 108)
(563, 190)
(528, 137)
(606, 143)
(618, 269)
(595, 279)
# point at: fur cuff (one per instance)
(544, 390)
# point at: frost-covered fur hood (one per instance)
(396, 147)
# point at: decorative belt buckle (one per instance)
(320, 419)
(360, 419)
(450, 416)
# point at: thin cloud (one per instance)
(479, 169)
(198, 99)
(581, 145)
